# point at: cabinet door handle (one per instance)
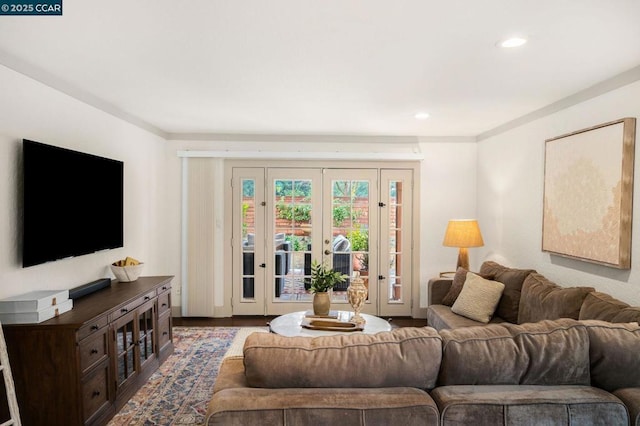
(95, 393)
(94, 327)
(164, 333)
(94, 351)
(124, 310)
(147, 298)
(164, 304)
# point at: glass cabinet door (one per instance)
(125, 349)
(135, 343)
(146, 333)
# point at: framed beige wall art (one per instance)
(588, 194)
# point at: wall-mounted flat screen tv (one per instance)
(72, 203)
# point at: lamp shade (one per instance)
(463, 233)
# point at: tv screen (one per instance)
(73, 203)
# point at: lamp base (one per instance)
(463, 258)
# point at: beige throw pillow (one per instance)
(478, 299)
(456, 286)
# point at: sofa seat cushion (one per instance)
(614, 351)
(512, 278)
(631, 398)
(408, 356)
(543, 353)
(440, 317)
(528, 405)
(326, 406)
(542, 299)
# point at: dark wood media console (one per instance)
(81, 367)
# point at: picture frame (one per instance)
(588, 194)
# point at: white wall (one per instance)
(448, 191)
(510, 187)
(31, 110)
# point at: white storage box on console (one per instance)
(37, 316)
(34, 307)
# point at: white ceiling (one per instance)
(318, 67)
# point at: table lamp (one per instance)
(463, 233)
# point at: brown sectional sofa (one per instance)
(560, 372)
(549, 355)
(528, 297)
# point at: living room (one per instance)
(159, 88)
(496, 174)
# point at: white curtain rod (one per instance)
(297, 155)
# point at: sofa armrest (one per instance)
(437, 289)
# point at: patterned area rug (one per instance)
(179, 391)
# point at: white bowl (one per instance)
(127, 273)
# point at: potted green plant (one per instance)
(323, 279)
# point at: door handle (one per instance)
(327, 252)
(263, 265)
(381, 277)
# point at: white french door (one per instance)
(356, 220)
(396, 242)
(350, 203)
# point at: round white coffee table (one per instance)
(289, 325)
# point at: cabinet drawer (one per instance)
(164, 302)
(164, 331)
(132, 305)
(163, 288)
(92, 327)
(93, 350)
(95, 392)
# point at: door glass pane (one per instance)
(394, 228)
(350, 230)
(292, 240)
(248, 237)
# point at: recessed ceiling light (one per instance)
(422, 116)
(512, 42)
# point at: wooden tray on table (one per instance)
(330, 325)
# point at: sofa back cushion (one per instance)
(600, 306)
(614, 351)
(543, 353)
(512, 279)
(542, 299)
(408, 356)
(630, 314)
